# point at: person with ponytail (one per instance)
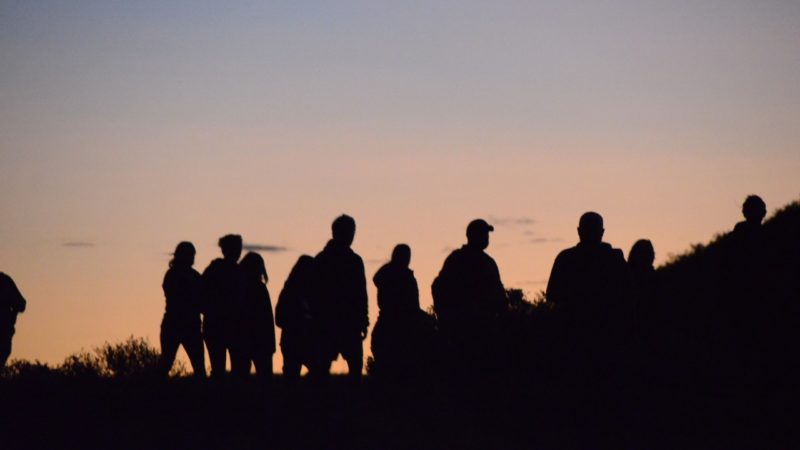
(181, 322)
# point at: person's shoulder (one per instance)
(214, 266)
(381, 274)
(615, 253)
(454, 257)
(487, 258)
(217, 262)
(568, 252)
(611, 251)
(354, 256)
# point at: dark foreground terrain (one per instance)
(181, 413)
(708, 357)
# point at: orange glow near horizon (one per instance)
(126, 129)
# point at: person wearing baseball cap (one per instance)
(468, 294)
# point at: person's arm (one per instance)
(18, 302)
(555, 283)
(498, 291)
(415, 291)
(363, 301)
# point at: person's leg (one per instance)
(263, 363)
(193, 344)
(216, 356)
(319, 367)
(291, 366)
(240, 362)
(353, 353)
(169, 347)
(217, 348)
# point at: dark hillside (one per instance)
(710, 360)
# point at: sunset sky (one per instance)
(126, 127)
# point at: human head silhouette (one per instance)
(401, 255)
(231, 246)
(642, 254)
(344, 230)
(183, 255)
(478, 234)
(302, 271)
(253, 266)
(754, 209)
(590, 228)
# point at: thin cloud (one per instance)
(510, 221)
(264, 248)
(542, 240)
(532, 282)
(77, 244)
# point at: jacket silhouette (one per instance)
(339, 306)
(469, 299)
(253, 333)
(591, 277)
(468, 288)
(293, 316)
(11, 303)
(183, 290)
(396, 338)
(222, 283)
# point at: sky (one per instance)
(127, 127)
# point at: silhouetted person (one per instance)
(589, 277)
(293, 316)
(253, 336)
(748, 305)
(397, 333)
(588, 286)
(339, 306)
(11, 303)
(642, 273)
(468, 295)
(183, 290)
(754, 210)
(222, 285)
(649, 318)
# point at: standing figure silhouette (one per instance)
(11, 303)
(253, 337)
(181, 323)
(397, 333)
(588, 287)
(222, 285)
(339, 306)
(468, 297)
(293, 316)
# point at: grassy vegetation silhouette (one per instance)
(133, 358)
(707, 360)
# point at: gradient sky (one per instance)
(126, 127)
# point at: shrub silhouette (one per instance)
(82, 365)
(133, 357)
(28, 370)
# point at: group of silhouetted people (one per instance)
(604, 303)
(322, 310)
(232, 297)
